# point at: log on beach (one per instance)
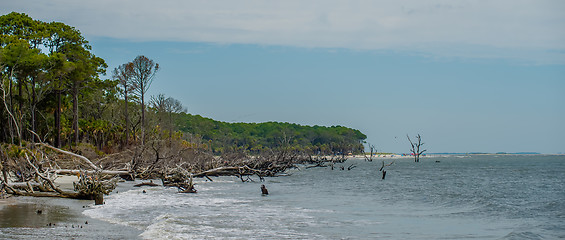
(75, 172)
(151, 184)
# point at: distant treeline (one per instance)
(255, 137)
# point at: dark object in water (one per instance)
(384, 174)
(264, 190)
(39, 211)
(86, 222)
(144, 191)
(189, 189)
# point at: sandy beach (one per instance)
(56, 218)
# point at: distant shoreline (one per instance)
(428, 155)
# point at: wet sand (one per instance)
(56, 218)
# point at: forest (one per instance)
(256, 137)
(59, 104)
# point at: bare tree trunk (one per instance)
(171, 125)
(127, 114)
(10, 109)
(20, 115)
(58, 116)
(415, 147)
(72, 154)
(4, 157)
(105, 172)
(75, 116)
(142, 117)
(32, 108)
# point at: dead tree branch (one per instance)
(415, 147)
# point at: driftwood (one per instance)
(150, 183)
(24, 185)
(40, 172)
(71, 154)
(231, 171)
(383, 167)
(373, 150)
(180, 178)
(75, 172)
(325, 162)
(320, 164)
(40, 180)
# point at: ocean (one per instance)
(444, 197)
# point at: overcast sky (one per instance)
(469, 76)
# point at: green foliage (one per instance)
(254, 137)
(41, 63)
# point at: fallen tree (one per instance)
(86, 160)
(174, 161)
(33, 173)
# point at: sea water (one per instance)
(444, 197)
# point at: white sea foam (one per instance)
(476, 197)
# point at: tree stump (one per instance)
(99, 199)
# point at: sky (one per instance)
(467, 75)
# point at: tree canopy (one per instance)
(42, 65)
(255, 137)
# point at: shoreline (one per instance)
(24, 217)
(62, 218)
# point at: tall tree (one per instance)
(37, 88)
(144, 70)
(87, 67)
(59, 70)
(123, 74)
(60, 37)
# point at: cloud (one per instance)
(522, 29)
